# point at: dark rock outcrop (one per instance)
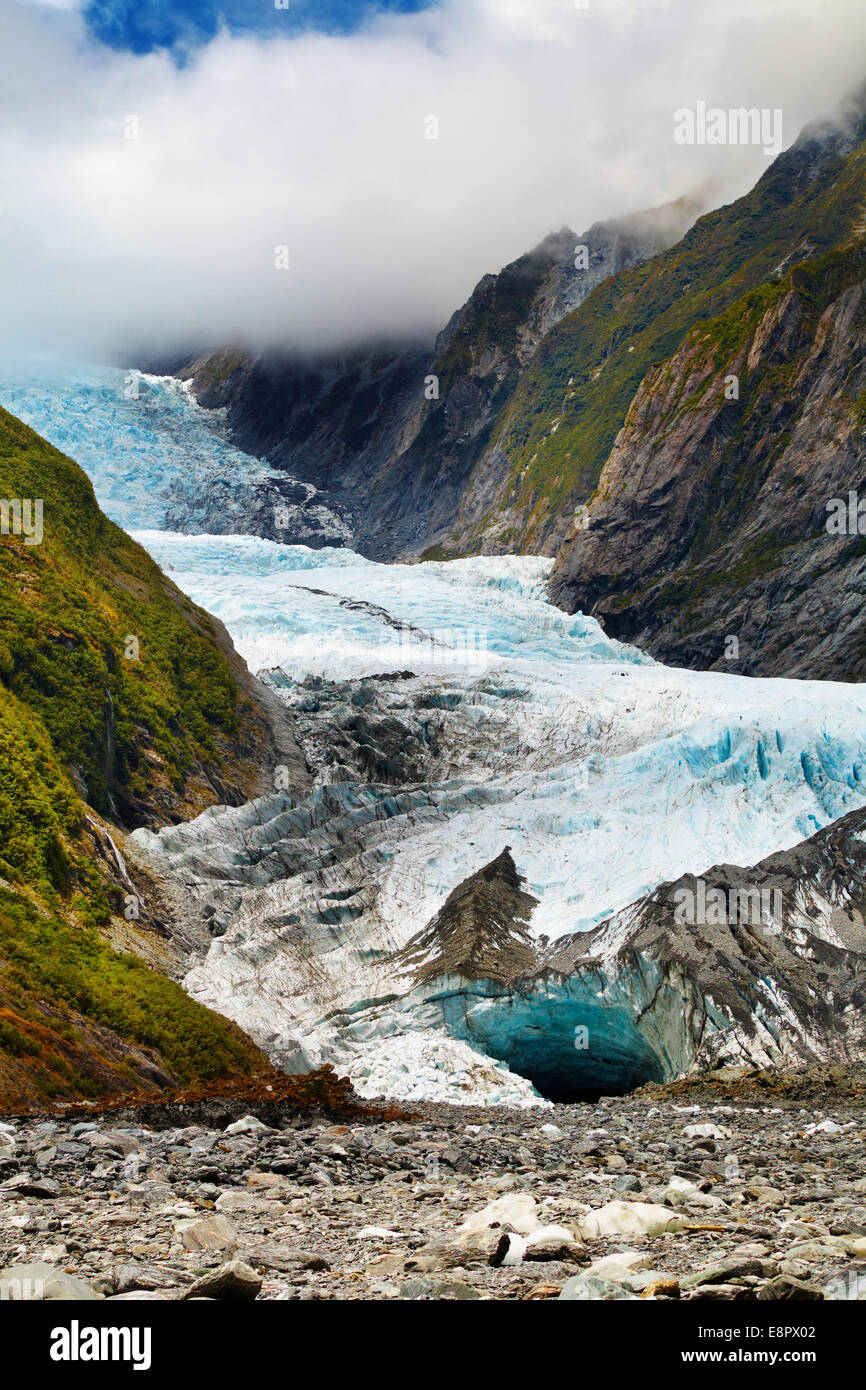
(390, 433)
(481, 931)
(763, 966)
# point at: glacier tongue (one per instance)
(156, 458)
(448, 710)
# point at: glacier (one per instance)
(447, 711)
(495, 720)
(157, 458)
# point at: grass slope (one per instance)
(143, 740)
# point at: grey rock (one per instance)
(591, 1287)
(487, 1246)
(234, 1281)
(626, 1182)
(451, 1290)
(34, 1283)
(113, 1141)
(24, 1186)
(726, 1270)
(785, 1286)
(207, 1233)
(147, 1278)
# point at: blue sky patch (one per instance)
(143, 26)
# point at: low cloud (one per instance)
(146, 205)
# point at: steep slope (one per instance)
(146, 701)
(772, 971)
(763, 966)
(392, 433)
(79, 1019)
(116, 690)
(481, 931)
(550, 444)
(536, 373)
(707, 539)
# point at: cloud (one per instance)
(144, 204)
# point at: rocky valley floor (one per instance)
(722, 1192)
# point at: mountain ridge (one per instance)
(550, 399)
(365, 427)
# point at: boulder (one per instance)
(43, 1283)
(234, 1281)
(630, 1219)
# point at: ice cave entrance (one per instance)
(571, 1049)
(570, 1067)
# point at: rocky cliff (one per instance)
(671, 424)
(724, 531)
(552, 442)
(390, 434)
(770, 969)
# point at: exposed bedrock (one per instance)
(358, 424)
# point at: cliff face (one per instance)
(584, 413)
(552, 441)
(391, 434)
(481, 932)
(707, 540)
(761, 965)
(773, 973)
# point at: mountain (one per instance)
(762, 965)
(593, 416)
(774, 975)
(710, 518)
(121, 704)
(707, 541)
(552, 440)
(481, 932)
(390, 434)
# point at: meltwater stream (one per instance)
(448, 711)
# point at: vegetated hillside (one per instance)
(148, 738)
(707, 539)
(552, 439)
(392, 433)
(143, 741)
(79, 1019)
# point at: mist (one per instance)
(287, 189)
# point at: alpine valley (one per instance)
(375, 717)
